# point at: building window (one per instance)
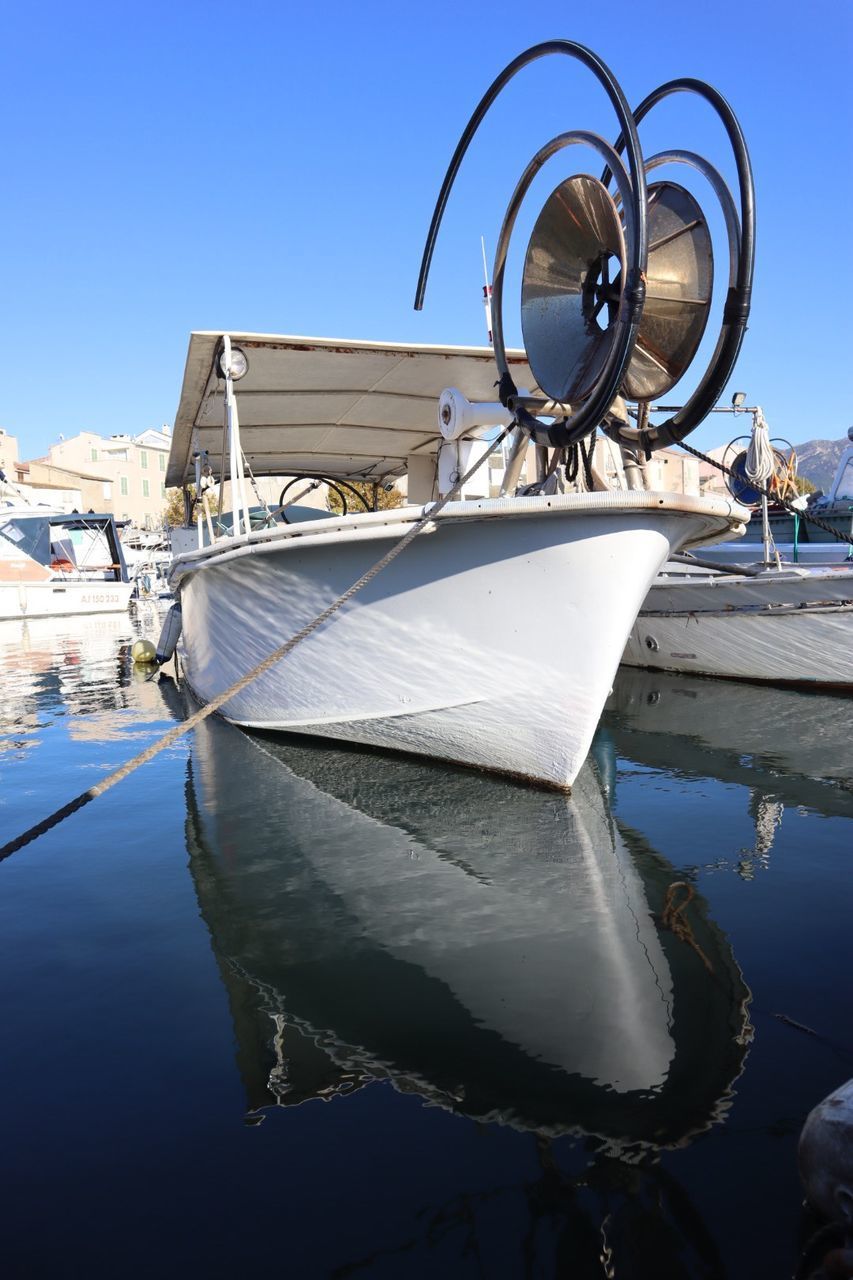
(162, 488)
(145, 489)
(123, 483)
(94, 452)
(143, 459)
(162, 462)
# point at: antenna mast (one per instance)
(487, 291)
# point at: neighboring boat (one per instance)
(767, 619)
(148, 557)
(502, 952)
(492, 641)
(785, 624)
(53, 564)
(796, 554)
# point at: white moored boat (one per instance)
(770, 618)
(492, 641)
(788, 625)
(53, 564)
(494, 638)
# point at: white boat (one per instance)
(777, 620)
(783, 625)
(148, 556)
(492, 641)
(53, 564)
(149, 573)
(803, 554)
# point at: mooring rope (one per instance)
(675, 919)
(238, 686)
(768, 493)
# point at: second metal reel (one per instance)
(572, 285)
(579, 319)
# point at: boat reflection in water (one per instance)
(501, 951)
(75, 667)
(789, 748)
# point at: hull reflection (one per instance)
(791, 745)
(499, 951)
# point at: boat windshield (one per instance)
(82, 544)
(75, 544)
(28, 534)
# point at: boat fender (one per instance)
(143, 652)
(170, 634)
(825, 1157)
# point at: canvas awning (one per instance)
(326, 406)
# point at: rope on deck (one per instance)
(238, 686)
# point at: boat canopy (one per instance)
(326, 406)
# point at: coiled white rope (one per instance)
(760, 460)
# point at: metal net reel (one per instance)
(616, 288)
(571, 288)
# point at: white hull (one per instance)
(805, 554)
(793, 626)
(57, 598)
(492, 641)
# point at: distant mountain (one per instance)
(817, 460)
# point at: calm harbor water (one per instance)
(274, 1006)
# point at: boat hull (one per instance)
(789, 627)
(490, 642)
(56, 598)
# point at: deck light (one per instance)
(239, 364)
(737, 399)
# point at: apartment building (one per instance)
(133, 469)
(8, 454)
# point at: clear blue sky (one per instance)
(272, 167)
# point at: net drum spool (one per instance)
(571, 287)
(679, 284)
(617, 289)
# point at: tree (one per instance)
(376, 496)
(173, 512)
(804, 485)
